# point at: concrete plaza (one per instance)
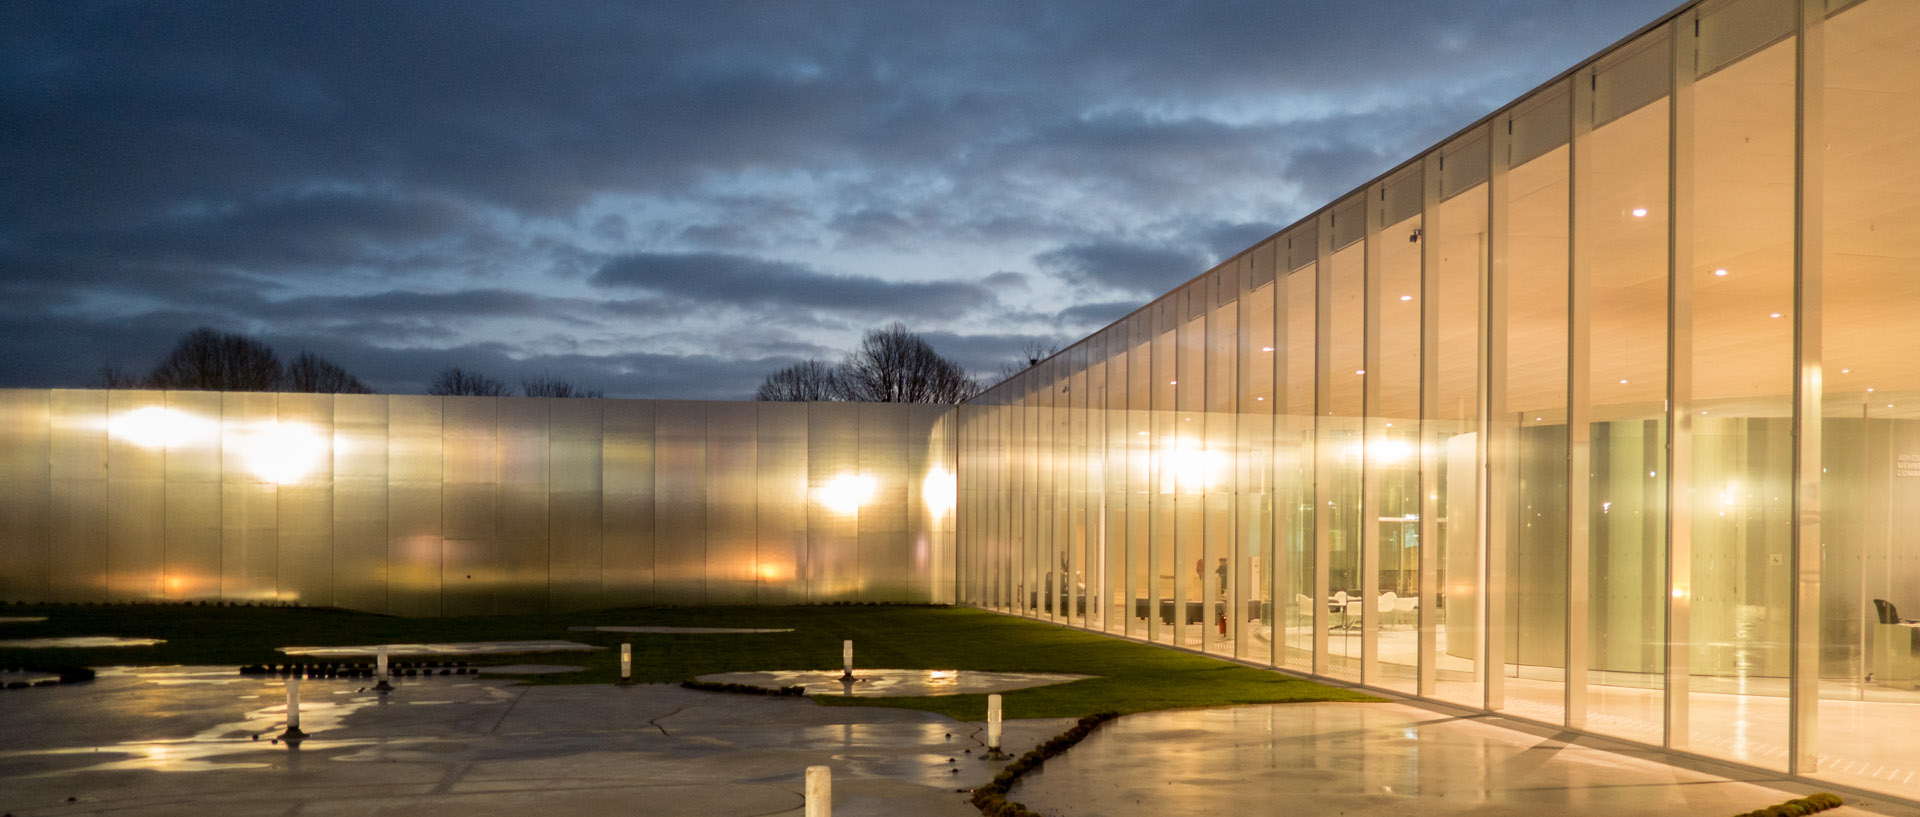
(191, 741)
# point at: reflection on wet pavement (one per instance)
(895, 683)
(615, 628)
(81, 641)
(458, 648)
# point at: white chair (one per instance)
(1305, 603)
(1407, 609)
(1385, 607)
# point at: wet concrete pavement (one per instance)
(185, 741)
(1379, 759)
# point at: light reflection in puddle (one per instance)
(890, 683)
(80, 642)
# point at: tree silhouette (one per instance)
(209, 360)
(454, 380)
(544, 386)
(894, 365)
(317, 375)
(809, 380)
(115, 376)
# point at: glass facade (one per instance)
(1603, 414)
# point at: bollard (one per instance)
(626, 665)
(293, 711)
(994, 718)
(380, 663)
(820, 790)
(846, 657)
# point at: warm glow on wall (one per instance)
(158, 427)
(846, 492)
(284, 453)
(938, 489)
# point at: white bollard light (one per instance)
(846, 657)
(994, 725)
(820, 790)
(293, 710)
(380, 668)
(626, 665)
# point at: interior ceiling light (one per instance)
(1406, 297)
(1775, 315)
(1639, 212)
(1720, 273)
(1266, 348)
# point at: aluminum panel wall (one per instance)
(360, 531)
(523, 553)
(882, 537)
(833, 480)
(469, 495)
(136, 499)
(781, 513)
(295, 450)
(574, 508)
(416, 476)
(191, 550)
(26, 450)
(627, 510)
(249, 504)
(680, 496)
(437, 506)
(77, 560)
(732, 485)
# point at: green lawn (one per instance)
(1134, 677)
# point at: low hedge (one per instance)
(744, 689)
(1799, 808)
(991, 799)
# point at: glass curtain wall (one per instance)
(1602, 413)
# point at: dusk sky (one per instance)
(672, 199)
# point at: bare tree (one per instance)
(114, 376)
(454, 380)
(209, 360)
(809, 380)
(544, 386)
(894, 365)
(1031, 353)
(317, 375)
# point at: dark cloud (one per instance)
(723, 278)
(1090, 317)
(1121, 266)
(627, 193)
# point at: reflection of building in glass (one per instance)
(1602, 413)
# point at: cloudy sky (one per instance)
(672, 199)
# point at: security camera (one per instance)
(1414, 237)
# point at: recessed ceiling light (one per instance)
(1173, 382)
(1359, 371)
(1406, 297)
(1775, 315)
(1639, 212)
(1720, 273)
(1266, 348)
(1846, 371)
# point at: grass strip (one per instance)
(991, 799)
(1129, 676)
(1809, 804)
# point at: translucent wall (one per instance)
(461, 505)
(1601, 413)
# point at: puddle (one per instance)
(675, 630)
(530, 669)
(21, 619)
(896, 683)
(464, 648)
(82, 641)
